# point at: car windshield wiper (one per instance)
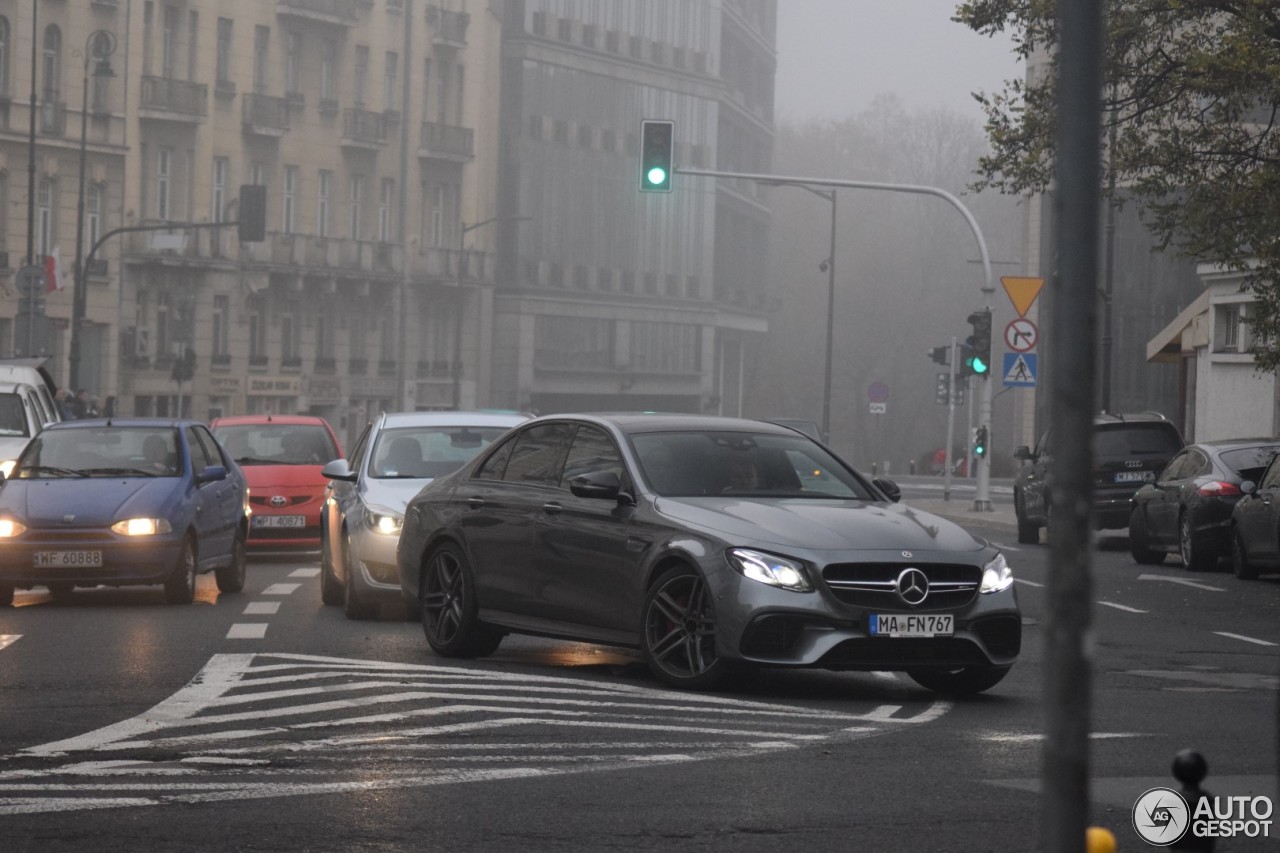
(50, 469)
(254, 460)
(135, 472)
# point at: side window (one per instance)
(592, 450)
(1177, 467)
(211, 449)
(358, 451)
(199, 457)
(536, 455)
(494, 467)
(1042, 446)
(1197, 465)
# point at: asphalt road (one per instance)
(264, 721)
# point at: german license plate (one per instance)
(911, 624)
(1134, 476)
(279, 521)
(68, 559)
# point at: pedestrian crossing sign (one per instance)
(1020, 369)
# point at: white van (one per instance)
(20, 421)
(28, 371)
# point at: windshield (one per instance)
(13, 420)
(426, 452)
(277, 444)
(100, 452)
(705, 462)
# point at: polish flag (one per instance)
(53, 272)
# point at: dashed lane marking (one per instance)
(7, 640)
(251, 726)
(281, 589)
(304, 573)
(1123, 607)
(1183, 581)
(247, 631)
(1035, 737)
(1243, 637)
(261, 608)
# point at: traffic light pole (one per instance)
(982, 500)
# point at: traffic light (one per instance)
(978, 345)
(657, 138)
(980, 442)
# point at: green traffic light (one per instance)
(980, 367)
(656, 176)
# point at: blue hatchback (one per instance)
(123, 502)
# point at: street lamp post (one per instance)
(100, 45)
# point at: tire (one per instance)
(6, 595)
(1028, 531)
(1138, 540)
(1194, 555)
(352, 604)
(61, 591)
(1240, 560)
(962, 681)
(330, 590)
(230, 577)
(180, 588)
(449, 608)
(680, 631)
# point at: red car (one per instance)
(281, 456)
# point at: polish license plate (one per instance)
(68, 559)
(1135, 476)
(279, 521)
(911, 624)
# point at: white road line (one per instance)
(1123, 607)
(9, 639)
(1034, 737)
(1246, 639)
(262, 608)
(1182, 581)
(281, 588)
(247, 631)
(1026, 582)
(304, 573)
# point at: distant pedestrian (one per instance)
(66, 409)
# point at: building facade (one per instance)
(609, 298)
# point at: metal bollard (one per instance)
(1190, 768)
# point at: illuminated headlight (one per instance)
(770, 569)
(996, 575)
(10, 528)
(142, 526)
(381, 520)
(6, 467)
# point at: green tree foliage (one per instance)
(1192, 96)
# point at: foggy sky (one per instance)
(836, 56)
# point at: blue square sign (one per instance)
(1019, 370)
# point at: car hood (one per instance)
(94, 501)
(284, 476)
(11, 446)
(392, 494)
(821, 525)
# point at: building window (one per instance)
(324, 335)
(46, 194)
(164, 165)
(572, 342)
(261, 44)
(389, 81)
(387, 342)
(257, 327)
(665, 347)
(328, 69)
(288, 337)
(4, 55)
(168, 43)
(385, 200)
(292, 60)
(290, 193)
(325, 190)
(92, 213)
(356, 200)
(221, 166)
(52, 63)
(100, 83)
(362, 74)
(437, 216)
(1232, 331)
(258, 174)
(221, 324)
(163, 330)
(193, 40)
(224, 50)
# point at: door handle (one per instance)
(552, 508)
(475, 503)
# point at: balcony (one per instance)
(363, 129)
(53, 118)
(265, 115)
(340, 13)
(167, 99)
(445, 142)
(449, 29)
(457, 266)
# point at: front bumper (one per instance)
(273, 538)
(125, 562)
(373, 566)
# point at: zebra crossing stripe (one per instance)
(7, 640)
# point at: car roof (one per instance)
(1105, 418)
(1234, 443)
(639, 422)
(254, 420)
(391, 420)
(158, 423)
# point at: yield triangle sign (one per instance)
(1022, 291)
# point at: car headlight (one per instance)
(142, 526)
(770, 568)
(10, 528)
(996, 575)
(6, 467)
(383, 520)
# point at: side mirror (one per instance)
(889, 487)
(339, 469)
(1248, 487)
(602, 485)
(211, 473)
(1023, 452)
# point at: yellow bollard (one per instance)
(1099, 840)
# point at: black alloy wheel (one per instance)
(230, 577)
(180, 588)
(449, 608)
(1195, 557)
(1240, 560)
(680, 631)
(330, 589)
(353, 605)
(1139, 545)
(961, 681)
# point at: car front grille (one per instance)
(291, 500)
(874, 585)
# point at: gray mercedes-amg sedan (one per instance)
(708, 543)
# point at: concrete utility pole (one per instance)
(982, 502)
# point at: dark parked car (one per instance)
(707, 543)
(123, 502)
(1128, 451)
(1255, 543)
(1187, 510)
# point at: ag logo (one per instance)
(1161, 816)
